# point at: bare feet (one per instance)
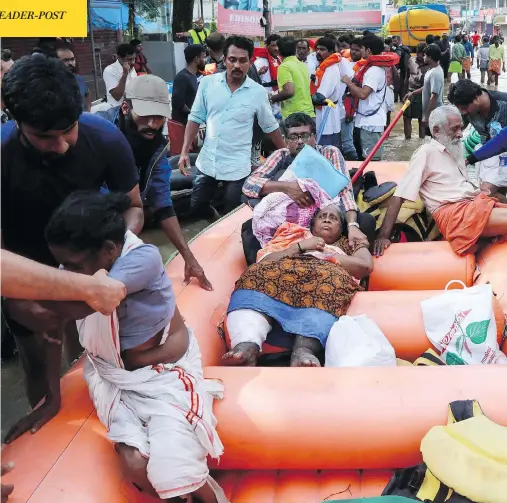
(303, 358)
(244, 353)
(304, 352)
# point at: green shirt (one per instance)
(496, 52)
(292, 70)
(458, 52)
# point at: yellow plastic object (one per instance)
(413, 25)
(470, 456)
(405, 105)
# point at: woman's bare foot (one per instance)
(244, 353)
(303, 358)
(304, 352)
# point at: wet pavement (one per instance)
(13, 400)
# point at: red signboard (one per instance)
(344, 19)
(239, 22)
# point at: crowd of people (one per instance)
(77, 189)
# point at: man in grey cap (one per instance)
(141, 118)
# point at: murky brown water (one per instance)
(14, 403)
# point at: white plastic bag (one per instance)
(461, 325)
(356, 341)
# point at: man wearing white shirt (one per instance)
(371, 113)
(328, 85)
(117, 75)
(312, 63)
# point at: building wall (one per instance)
(106, 42)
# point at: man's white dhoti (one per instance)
(165, 410)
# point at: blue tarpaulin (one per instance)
(114, 15)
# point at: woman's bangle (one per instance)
(300, 249)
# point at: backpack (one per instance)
(384, 60)
(464, 461)
(413, 221)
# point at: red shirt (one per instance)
(475, 39)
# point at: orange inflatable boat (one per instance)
(291, 435)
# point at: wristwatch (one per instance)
(353, 224)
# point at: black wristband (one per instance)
(300, 249)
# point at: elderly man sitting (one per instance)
(438, 175)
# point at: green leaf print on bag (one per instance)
(478, 331)
(453, 359)
(459, 344)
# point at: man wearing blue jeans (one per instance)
(228, 103)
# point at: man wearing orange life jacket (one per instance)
(368, 90)
(327, 85)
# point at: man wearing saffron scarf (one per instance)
(327, 85)
(267, 61)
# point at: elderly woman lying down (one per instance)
(305, 280)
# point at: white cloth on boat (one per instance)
(164, 410)
(247, 325)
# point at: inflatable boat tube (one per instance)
(351, 418)
(420, 266)
(492, 266)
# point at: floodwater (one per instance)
(14, 403)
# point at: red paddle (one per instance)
(381, 140)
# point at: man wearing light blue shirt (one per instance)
(228, 103)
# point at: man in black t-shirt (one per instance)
(445, 60)
(185, 83)
(52, 150)
(404, 54)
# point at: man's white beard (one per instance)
(454, 147)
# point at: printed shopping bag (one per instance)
(461, 325)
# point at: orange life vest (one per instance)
(359, 64)
(319, 73)
(384, 60)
